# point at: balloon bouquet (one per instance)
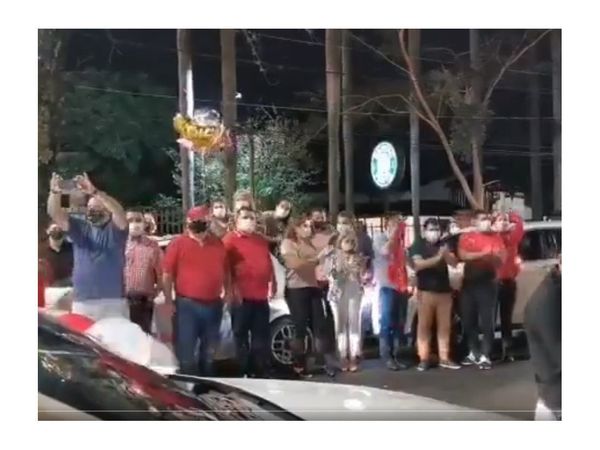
(203, 132)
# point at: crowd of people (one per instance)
(224, 259)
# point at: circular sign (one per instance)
(384, 165)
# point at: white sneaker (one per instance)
(484, 363)
(469, 360)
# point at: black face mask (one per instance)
(198, 226)
(57, 235)
(319, 226)
(96, 217)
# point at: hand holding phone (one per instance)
(67, 186)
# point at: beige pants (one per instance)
(434, 308)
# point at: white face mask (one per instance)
(432, 235)
(219, 212)
(246, 225)
(500, 226)
(136, 228)
(484, 225)
(343, 228)
(281, 213)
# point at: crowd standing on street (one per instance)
(224, 260)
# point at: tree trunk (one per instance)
(476, 137)
(414, 50)
(347, 130)
(333, 79)
(556, 112)
(186, 107)
(535, 163)
(229, 107)
(251, 168)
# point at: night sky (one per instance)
(295, 79)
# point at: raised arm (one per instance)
(112, 205)
(55, 210)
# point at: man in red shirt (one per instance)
(511, 229)
(253, 281)
(483, 253)
(195, 267)
(143, 272)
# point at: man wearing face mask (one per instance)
(253, 284)
(431, 260)
(143, 272)
(98, 250)
(195, 268)
(57, 252)
(219, 220)
(483, 253)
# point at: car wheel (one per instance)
(282, 333)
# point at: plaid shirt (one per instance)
(143, 259)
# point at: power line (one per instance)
(279, 66)
(422, 58)
(299, 108)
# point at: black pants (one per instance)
(507, 296)
(543, 328)
(307, 310)
(251, 333)
(478, 305)
(141, 307)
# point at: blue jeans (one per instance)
(393, 315)
(197, 321)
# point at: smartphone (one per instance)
(67, 186)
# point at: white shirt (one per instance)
(381, 262)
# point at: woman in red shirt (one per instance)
(511, 230)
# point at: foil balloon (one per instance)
(203, 132)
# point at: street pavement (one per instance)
(507, 389)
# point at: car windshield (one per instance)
(78, 372)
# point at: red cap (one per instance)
(198, 213)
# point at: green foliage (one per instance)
(282, 166)
(107, 129)
(453, 92)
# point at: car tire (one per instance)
(282, 332)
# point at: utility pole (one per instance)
(414, 45)
(229, 108)
(535, 162)
(347, 128)
(186, 108)
(333, 82)
(556, 113)
(476, 99)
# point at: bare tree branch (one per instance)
(434, 122)
(513, 59)
(380, 53)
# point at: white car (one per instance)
(80, 380)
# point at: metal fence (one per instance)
(169, 220)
